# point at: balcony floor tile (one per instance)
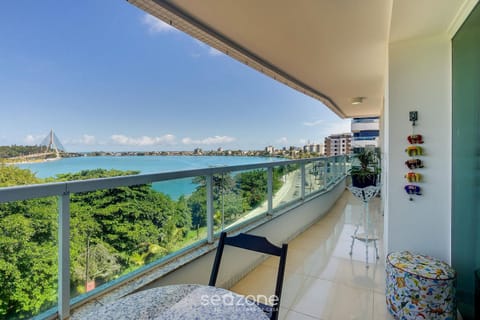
(322, 280)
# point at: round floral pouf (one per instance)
(420, 287)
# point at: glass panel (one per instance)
(465, 163)
(116, 231)
(287, 182)
(177, 188)
(337, 168)
(328, 172)
(238, 197)
(314, 177)
(188, 195)
(28, 257)
(333, 169)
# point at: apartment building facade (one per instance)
(338, 144)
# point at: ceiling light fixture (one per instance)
(357, 100)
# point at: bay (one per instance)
(144, 164)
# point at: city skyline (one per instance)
(106, 76)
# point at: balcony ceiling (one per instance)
(332, 50)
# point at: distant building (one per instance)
(338, 144)
(198, 151)
(313, 148)
(366, 132)
(269, 149)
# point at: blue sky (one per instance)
(106, 76)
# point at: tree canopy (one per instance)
(113, 231)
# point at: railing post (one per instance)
(337, 168)
(64, 255)
(340, 166)
(270, 190)
(302, 179)
(325, 173)
(210, 208)
(333, 169)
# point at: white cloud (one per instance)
(88, 139)
(214, 52)
(341, 126)
(211, 51)
(143, 140)
(156, 25)
(85, 139)
(282, 140)
(209, 140)
(33, 139)
(313, 123)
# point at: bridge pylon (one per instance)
(52, 143)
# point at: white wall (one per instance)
(419, 79)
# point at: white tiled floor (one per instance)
(322, 281)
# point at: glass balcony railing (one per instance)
(287, 186)
(63, 243)
(28, 257)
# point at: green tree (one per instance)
(120, 228)
(231, 205)
(96, 261)
(14, 176)
(136, 223)
(198, 207)
(253, 186)
(15, 151)
(28, 255)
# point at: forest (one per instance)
(113, 231)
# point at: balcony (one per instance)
(293, 195)
(402, 56)
(322, 281)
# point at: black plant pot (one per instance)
(364, 181)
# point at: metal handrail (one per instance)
(64, 189)
(26, 192)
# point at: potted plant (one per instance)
(365, 172)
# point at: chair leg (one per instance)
(376, 248)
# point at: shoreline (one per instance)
(6, 161)
(30, 161)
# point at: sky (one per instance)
(105, 75)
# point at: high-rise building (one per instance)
(337, 144)
(313, 148)
(365, 132)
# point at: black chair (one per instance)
(258, 244)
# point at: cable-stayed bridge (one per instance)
(52, 143)
(50, 149)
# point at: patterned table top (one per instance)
(188, 301)
(423, 266)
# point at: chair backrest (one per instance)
(258, 244)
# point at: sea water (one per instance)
(143, 164)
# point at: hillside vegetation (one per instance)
(113, 231)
